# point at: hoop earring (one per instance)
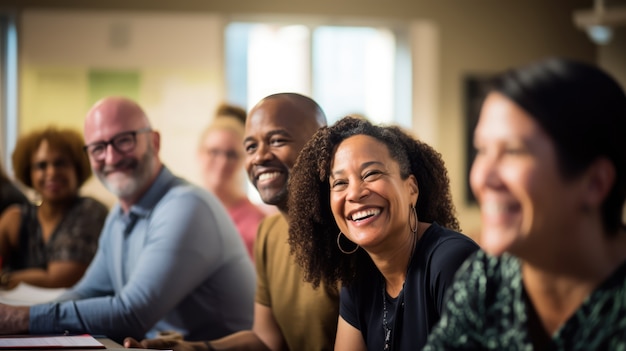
(415, 227)
(341, 249)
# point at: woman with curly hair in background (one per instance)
(52, 243)
(371, 209)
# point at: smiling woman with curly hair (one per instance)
(50, 244)
(370, 208)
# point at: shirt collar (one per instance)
(160, 186)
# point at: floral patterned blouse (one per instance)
(487, 309)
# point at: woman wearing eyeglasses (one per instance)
(50, 244)
(221, 156)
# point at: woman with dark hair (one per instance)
(550, 178)
(371, 209)
(52, 243)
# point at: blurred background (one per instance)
(420, 64)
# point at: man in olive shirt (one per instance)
(288, 313)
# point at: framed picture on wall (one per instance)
(475, 88)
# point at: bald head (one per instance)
(113, 112)
(277, 129)
(309, 110)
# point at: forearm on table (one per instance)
(48, 278)
(245, 340)
(14, 319)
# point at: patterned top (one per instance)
(487, 309)
(74, 239)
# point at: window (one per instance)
(361, 70)
(8, 88)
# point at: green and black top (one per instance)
(487, 309)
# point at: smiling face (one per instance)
(524, 200)
(276, 131)
(369, 199)
(125, 174)
(53, 174)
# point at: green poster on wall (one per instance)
(104, 83)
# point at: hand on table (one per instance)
(166, 344)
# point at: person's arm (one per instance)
(9, 228)
(264, 336)
(348, 337)
(73, 246)
(13, 319)
(60, 274)
(266, 329)
(176, 242)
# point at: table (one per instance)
(109, 344)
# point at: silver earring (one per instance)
(341, 249)
(413, 211)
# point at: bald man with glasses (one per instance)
(169, 257)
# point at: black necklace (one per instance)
(386, 329)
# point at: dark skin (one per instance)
(55, 179)
(276, 130)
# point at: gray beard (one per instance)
(133, 183)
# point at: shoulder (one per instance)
(272, 224)
(488, 273)
(185, 197)
(443, 245)
(441, 236)
(12, 216)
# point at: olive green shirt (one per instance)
(307, 317)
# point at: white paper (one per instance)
(26, 295)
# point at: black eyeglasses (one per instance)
(122, 143)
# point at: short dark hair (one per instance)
(65, 140)
(312, 228)
(583, 110)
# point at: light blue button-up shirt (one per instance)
(174, 262)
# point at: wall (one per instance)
(612, 56)
(481, 36)
(171, 63)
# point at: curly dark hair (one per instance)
(65, 140)
(312, 228)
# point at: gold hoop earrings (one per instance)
(413, 211)
(341, 249)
